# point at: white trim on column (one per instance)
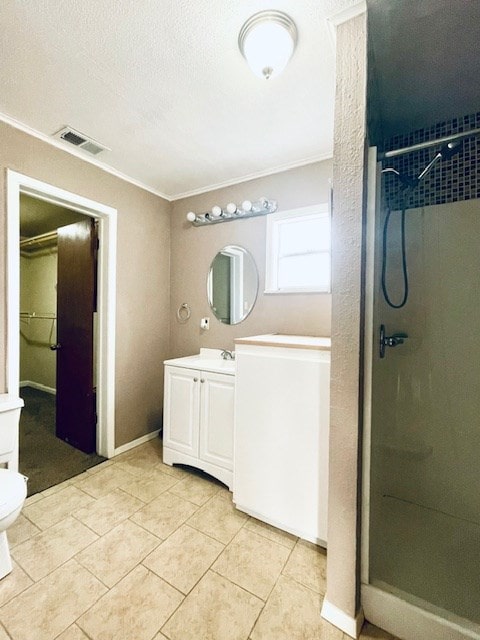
(334, 615)
(335, 19)
(107, 217)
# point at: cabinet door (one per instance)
(182, 400)
(216, 419)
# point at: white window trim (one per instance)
(271, 257)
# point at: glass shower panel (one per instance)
(425, 454)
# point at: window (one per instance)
(298, 250)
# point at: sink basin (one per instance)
(206, 360)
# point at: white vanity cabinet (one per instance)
(198, 419)
(281, 432)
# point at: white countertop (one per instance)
(281, 340)
(206, 360)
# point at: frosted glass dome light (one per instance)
(267, 41)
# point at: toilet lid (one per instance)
(13, 491)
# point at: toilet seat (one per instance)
(13, 491)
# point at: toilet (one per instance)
(13, 491)
(13, 486)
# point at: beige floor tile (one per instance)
(173, 470)
(164, 514)
(272, 533)
(215, 609)
(101, 483)
(100, 467)
(159, 636)
(22, 529)
(48, 511)
(106, 512)
(219, 519)
(371, 632)
(3, 634)
(184, 557)
(196, 489)
(308, 565)
(134, 609)
(150, 487)
(52, 605)
(72, 633)
(293, 613)
(35, 498)
(117, 552)
(50, 549)
(13, 584)
(252, 562)
(57, 487)
(140, 460)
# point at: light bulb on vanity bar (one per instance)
(191, 217)
(232, 208)
(217, 211)
(246, 206)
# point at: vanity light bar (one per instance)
(248, 209)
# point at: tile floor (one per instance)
(135, 550)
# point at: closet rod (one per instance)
(43, 237)
(32, 315)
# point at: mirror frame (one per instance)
(244, 252)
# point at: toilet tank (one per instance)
(10, 407)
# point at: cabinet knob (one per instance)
(202, 380)
(195, 379)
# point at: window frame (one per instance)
(274, 220)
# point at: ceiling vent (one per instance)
(81, 141)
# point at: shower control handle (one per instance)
(55, 347)
(390, 341)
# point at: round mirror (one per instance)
(232, 284)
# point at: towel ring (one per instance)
(183, 312)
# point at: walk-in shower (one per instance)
(421, 523)
(408, 183)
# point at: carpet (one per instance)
(45, 459)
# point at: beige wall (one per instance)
(143, 273)
(193, 249)
(38, 294)
(348, 185)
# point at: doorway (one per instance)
(58, 250)
(105, 216)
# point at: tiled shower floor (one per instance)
(135, 550)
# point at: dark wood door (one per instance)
(76, 287)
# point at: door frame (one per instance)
(18, 183)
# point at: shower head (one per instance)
(450, 149)
(445, 153)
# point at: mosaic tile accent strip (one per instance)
(449, 180)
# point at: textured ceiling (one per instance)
(424, 63)
(163, 84)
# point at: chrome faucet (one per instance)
(227, 355)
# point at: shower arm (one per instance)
(429, 166)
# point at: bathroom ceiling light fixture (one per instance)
(267, 41)
(247, 209)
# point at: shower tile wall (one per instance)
(450, 180)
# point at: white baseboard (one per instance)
(334, 615)
(135, 443)
(38, 385)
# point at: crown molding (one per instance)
(253, 176)
(347, 14)
(170, 198)
(78, 154)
